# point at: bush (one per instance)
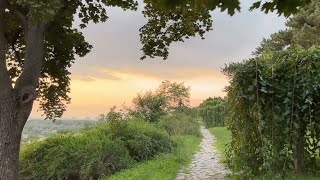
(143, 140)
(149, 105)
(180, 124)
(89, 154)
(74, 156)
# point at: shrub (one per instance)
(74, 156)
(143, 140)
(149, 105)
(180, 124)
(91, 153)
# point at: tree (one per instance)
(177, 95)
(302, 31)
(149, 105)
(168, 97)
(177, 20)
(38, 44)
(111, 116)
(212, 112)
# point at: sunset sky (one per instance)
(112, 73)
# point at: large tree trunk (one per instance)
(11, 126)
(16, 103)
(10, 140)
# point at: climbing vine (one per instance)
(274, 113)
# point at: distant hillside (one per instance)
(43, 128)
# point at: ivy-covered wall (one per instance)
(274, 113)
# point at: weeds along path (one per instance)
(206, 163)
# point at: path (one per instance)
(205, 164)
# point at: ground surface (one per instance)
(206, 163)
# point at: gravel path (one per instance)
(205, 164)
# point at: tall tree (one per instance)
(303, 31)
(177, 95)
(149, 105)
(37, 45)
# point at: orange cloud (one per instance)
(95, 93)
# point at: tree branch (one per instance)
(5, 81)
(27, 83)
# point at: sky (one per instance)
(112, 74)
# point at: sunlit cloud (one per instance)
(96, 93)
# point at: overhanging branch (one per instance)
(34, 40)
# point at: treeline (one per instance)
(212, 112)
(170, 98)
(121, 139)
(273, 107)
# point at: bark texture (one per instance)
(16, 102)
(10, 138)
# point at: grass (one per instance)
(223, 136)
(164, 166)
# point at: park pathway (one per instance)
(206, 163)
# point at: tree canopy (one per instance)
(168, 22)
(302, 31)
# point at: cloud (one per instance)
(93, 73)
(154, 72)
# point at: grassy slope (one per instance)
(164, 166)
(223, 136)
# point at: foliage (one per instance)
(223, 139)
(143, 140)
(62, 42)
(149, 105)
(81, 156)
(112, 115)
(177, 20)
(168, 97)
(169, 23)
(281, 6)
(273, 113)
(302, 31)
(212, 112)
(102, 150)
(164, 166)
(191, 112)
(177, 95)
(180, 124)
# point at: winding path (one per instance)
(205, 164)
